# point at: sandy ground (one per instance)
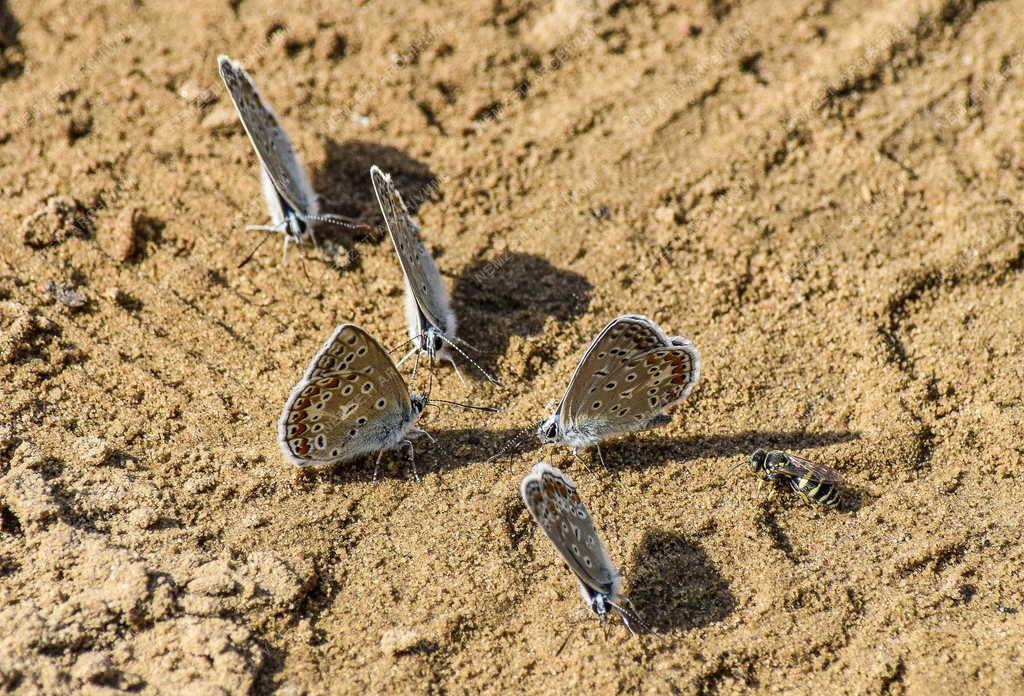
(825, 195)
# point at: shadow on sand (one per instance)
(514, 295)
(673, 585)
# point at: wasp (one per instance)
(815, 483)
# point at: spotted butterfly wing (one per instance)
(629, 376)
(272, 145)
(351, 401)
(620, 338)
(554, 504)
(423, 281)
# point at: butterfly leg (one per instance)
(376, 467)
(407, 356)
(412, 453)
(457, 373)
(264, 228)
(416, 432)
(576, 456)
(568, 636)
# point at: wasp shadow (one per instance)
(514, 295)
(674, 585)
(640, 451)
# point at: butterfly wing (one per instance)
(631, 373)
(552, 500)
(350, 401)
(796, 467)
(274, 149)
(422, 278)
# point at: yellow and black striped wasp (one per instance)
(815, 483)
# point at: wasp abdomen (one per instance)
(816, 491)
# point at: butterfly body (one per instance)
(813, 482)
(428, 338)
(629, 376)
(283, 217)
(290, 198)
(351, 401)
(428, 313)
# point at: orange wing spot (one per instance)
(679, 379)
(297, 416)
(303, 448)
(301, 404)
(330, 383)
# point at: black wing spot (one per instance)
(381, 403)
(610, 386)
(596, 405)
(367, 387)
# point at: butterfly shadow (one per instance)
(343, 182)
(11, 65)
(513, 295)
(451, 449)
(673, 585)
(642, 451)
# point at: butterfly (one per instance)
(428, 312)
(554, 504)
(631, 374)
(290, 198)
(350, 401)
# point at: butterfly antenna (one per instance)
(486, 409)
(403, 344)
(514, 441)
(472, 362)
(270, 233)
(628, 616)
(342, 221)
(415, 369)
